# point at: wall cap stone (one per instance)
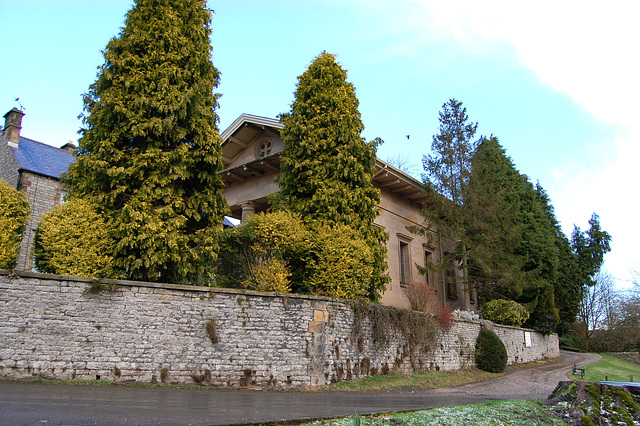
(166, 286)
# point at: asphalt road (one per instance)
(30, 404)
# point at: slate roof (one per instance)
(41, 158)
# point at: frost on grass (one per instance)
(491, 413)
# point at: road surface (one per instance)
(30, 404)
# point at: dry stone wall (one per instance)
(55, 327)
(626, 356)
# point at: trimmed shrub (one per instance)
(277, 252)
(491, 354)
(341, 263)
(261, 253)
(505, 312)
(14, 213)
(73, 239)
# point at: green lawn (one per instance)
(612, 368)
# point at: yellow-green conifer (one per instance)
(149, 154)
(14, 213)
(327, 166)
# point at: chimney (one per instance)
(69, 147)
(12, 126)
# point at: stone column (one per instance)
(248, 209)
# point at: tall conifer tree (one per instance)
(327, 167)
(447, 173)
(491, 227)
(449, 166)
(149, 153)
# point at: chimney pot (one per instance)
(69, 147)
(12, 125)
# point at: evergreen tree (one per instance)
(590, 247)
(491, 226)
(588, 250)
(510, 228)
(538, 253)
(446, 177)
(149, 154)
(449, 167)
(327, 167)
(567, 290)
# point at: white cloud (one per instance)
(584, 49)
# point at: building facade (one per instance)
(33, 168)
(251, 152)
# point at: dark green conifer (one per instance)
(149, 154)
(327, 167)
(511, 231)
(491, 227)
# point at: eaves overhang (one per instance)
(398, 182)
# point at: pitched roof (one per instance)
(41, 158)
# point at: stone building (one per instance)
(251, 152)
(34, 168)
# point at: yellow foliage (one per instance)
(277, 252)
(344, 263)
(14, 213)
(73, 239)
(271, 275)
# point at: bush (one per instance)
(261, 253)
(73, 239)
(14, 213)
(341, 263)
(422, 297)
(491, 354)
(277, 252)
(505, 312)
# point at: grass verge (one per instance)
(511, 412)
(417, 381)
(100, 383)
(424, 381)
(614, 369)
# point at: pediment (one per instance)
(250, 138)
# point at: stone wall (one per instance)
(55, 327)
(43, 194)
(627, 356)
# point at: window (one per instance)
(427, 261)
(452, 285)
(263, 147)
(405, 271)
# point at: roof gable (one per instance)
(41, 158)
(240, 140)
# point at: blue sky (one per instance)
(556, 82)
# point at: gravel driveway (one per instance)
(525, 383)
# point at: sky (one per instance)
(557, 82)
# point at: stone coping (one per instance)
(166, 286)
